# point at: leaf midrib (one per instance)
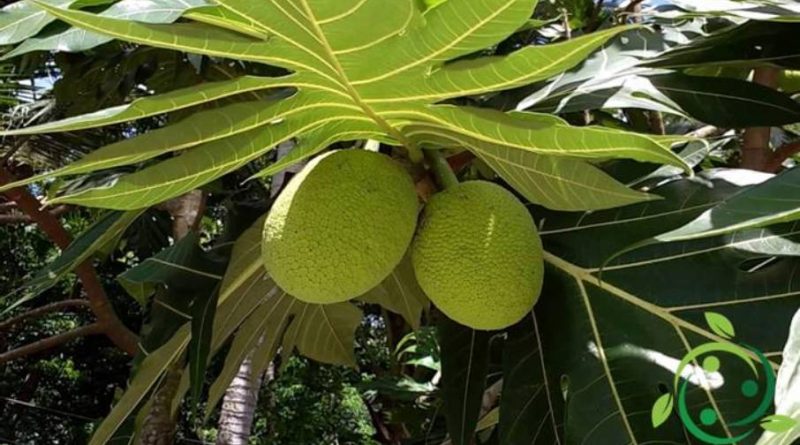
(350, 88)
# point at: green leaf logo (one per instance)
(778, 423)
(720, 325)
(661, 411)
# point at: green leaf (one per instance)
(524, 383)
(204, 309)
(262, 327)
(331, 48)
(151, 106)
(661, 411)
(323, 332)
(558, 183)
(720, 324)
(465, 362)
(76, 39)
(203, 164)
(183, 267)
(718, 101)
(734, 46)
(610, 336)
(108, 227)
(773, 200)
(23, 19)
(241, 292)
(778, 423)
(727, 103)
(401, 294)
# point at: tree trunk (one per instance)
(756, 152)
(239, 405)
(159, 426)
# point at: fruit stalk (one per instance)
(441, 169)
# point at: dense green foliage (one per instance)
(642, 139)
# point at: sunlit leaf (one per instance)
(330, 49)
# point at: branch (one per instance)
(107, 319)
(707, 132)
(785, 152)
(635, 7)
(17, 218)
(40, 311)
(51, 342)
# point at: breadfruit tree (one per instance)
(520, 195)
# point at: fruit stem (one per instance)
(415, 154)
(441, 169)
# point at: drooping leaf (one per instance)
(751, 44)
(204, 309)
(465, 362)
(331, 48)
(771, 201)
(183, 266)
(401, 294)
(107, 228)
(238, 297)
(323, 332)
(261, 327)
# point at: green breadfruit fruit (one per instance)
(340, 226)
(478, 256)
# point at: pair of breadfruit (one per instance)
(346, 221)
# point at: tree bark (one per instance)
(239, 404)
(159, 425)
(756, 152)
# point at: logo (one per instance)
(701, 366)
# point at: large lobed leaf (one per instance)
(604, 341)
(338, 92)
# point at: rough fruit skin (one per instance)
(340, 226)
(478, 256)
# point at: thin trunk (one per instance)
(239, 404)
(159, 425)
